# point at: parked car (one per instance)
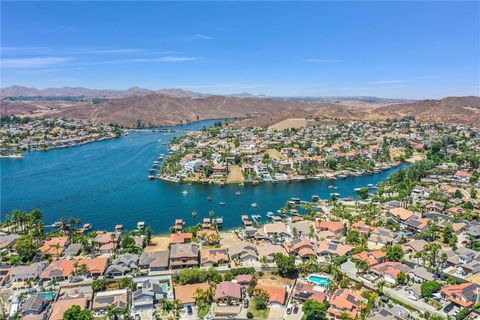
(245, 303)
(448, 308)
(289, 309)
(295, 308)
(189, 310)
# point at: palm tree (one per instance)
(194, 216)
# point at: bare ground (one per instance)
(158, 243)
(235, 175)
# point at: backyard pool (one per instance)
(319, 280)
(48, 295)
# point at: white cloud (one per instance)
(35, 62)
(200, 37)
(387, 81)
(162, 59)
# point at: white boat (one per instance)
(222, 203)
(254, 205)
(269, 214)
(330, 186)
(184, 192)
(357, 189)
(238, 193)
(140, 225)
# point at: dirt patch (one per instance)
(159, 243)
(229, 239)
(289, 123)
(416, 157)
(270, 279)
(275, 154)
(235, 175)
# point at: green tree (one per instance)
(429, 287)
(314, 310)
(363, 193)
(394, 253)
(148, 233)
(286, 264)
(260, 299)
(402, 278)
(75, 313)
(99, 285)
(25, 248)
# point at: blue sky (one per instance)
(387, 49)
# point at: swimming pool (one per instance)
(48, 295)
(319, 280)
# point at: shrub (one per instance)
(249, 315)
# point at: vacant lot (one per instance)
(269, 279)
(228, 239)
(159, 243)
(276, 155)
(235, 175)
(289, 123)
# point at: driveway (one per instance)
(276, 312)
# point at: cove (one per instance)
(105, 183)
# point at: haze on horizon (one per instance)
(383, 49)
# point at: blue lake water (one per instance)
(105, 183)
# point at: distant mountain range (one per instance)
(142, 107)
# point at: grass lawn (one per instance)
(203, 310)
(259, 313)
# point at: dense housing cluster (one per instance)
(409, 250)
(27, 134)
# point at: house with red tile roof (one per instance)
(370, 257)
(184, 237)
(213, 257)
(345, 301)
(301, 247)
(389, 270)
(464, 295)
(107, 242)
(55, 246)
(60, 306)
(305, 291)
(62, 269)
(333, 248)
(400, 214)
(333, 226)
(277, 295)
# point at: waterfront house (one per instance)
(54, 246)
(213, 257)
(345, 301)
(276, 230)
(227, 292)
(184, 255)
(155, 261)
(184, 237)
(107, 242)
